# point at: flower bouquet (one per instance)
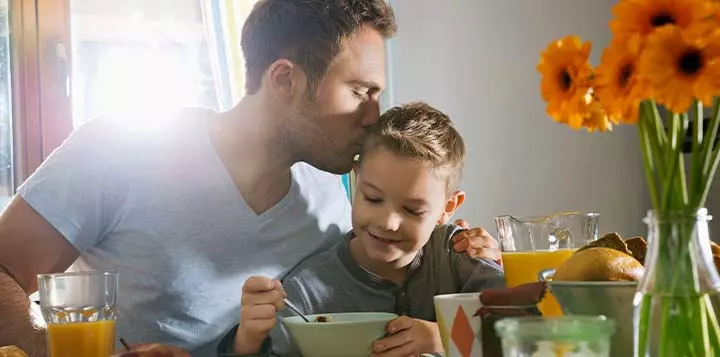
(661, 72)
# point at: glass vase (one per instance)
(677, 299)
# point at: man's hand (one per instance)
(153, 350)
(477, 242)
(409, 337)
(262, 298)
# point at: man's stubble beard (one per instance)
(309, 143)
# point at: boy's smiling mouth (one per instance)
(383, 240)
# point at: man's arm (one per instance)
(29, 245)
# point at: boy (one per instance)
(399, 254)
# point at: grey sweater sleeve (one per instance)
(472, 274)
(476, 275)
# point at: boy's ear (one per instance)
(453, 203)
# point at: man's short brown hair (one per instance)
(307, 32)
(419, 131)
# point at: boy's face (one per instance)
(398, 203)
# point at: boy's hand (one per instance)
(409, 337)
(262, 298)
(477, 242)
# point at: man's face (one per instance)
(329, 128)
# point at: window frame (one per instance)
(41, 69)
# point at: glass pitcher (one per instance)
(533, 243)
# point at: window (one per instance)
(138, 60)
(6, 127)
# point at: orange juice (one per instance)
(524, 267)
(82, 339)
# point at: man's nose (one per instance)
(372, 112)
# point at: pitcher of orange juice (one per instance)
(79, 309)
(530, 244)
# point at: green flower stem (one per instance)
(657, 140)
(675, 167)
(657, 119)
(709, 156)
(710, 176)
(648, 162)
(697, 142)
(707, 144)
(713, 325)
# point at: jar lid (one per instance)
(563, 328)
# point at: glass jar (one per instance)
(565, 336)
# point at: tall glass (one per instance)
(534, 243)
(79, 309)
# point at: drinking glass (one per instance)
(79, 309)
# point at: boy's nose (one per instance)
(390, 222)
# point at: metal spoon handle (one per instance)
(295, 309)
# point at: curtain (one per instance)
(349, 181)
(223, 21)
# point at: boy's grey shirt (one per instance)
(332, 282)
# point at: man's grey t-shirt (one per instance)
(333, 282)
(158, 206)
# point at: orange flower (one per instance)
(597, 118)
(636, 19)
(715, 9)
(682, 65)
(566, 73)
(617, 84)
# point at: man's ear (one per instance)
(286, 79)
(453, 203)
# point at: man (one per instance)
(187, 211)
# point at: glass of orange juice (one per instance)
(531, 244)
(79, 309)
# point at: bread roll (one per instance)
(715, 248)
(12, 351)
(638, 248)
(611, 240)
(599, 264)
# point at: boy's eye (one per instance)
(414, 212)
(373, 199)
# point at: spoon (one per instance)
(127, 348)
(295, 310)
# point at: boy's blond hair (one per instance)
(419, 131)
